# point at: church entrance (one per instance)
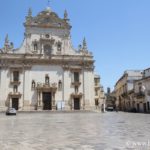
(47, 101)
(76, 104)
(15, 103)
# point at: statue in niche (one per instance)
(47, 79)
(33, 84)
(59, 46)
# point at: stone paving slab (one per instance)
(74, 131)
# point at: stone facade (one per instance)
(132, 91)
(124, 87)
(110, 99)
(142, 93)
(46, 72)
(99, 94)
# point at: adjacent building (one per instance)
(99, 94)
(124, 89)
(47, 72)
(142, 92)
(110, 99)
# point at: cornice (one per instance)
(26, 61)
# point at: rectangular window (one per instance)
(76, 76)
(16, 76)
(96, 92)
(96, 102)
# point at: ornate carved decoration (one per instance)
(46, 87)
(46, 19)
(15, 95)
(76, 95)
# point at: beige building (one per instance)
(46, 72)
(99, 94)
(110, 99)
(124, 89)
(142, 92)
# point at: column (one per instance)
(72, 103)
(10, 102)
(38, 100)
(41, 100)
(53, 101)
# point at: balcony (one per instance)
(124, 94)
(97, 86)
(15, 94)
(140, 95)
(76, 95)
(76, 83)
(96, 96)
(15, 82)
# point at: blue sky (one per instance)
(117, 31)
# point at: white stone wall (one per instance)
(89, 89)
(4, 90)
(34, 34)
(37, 73)
(56, 73)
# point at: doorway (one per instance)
(76, 104)
(144, 106)
(138, 107)
(15, 103)
(47, 102)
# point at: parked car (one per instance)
(11, 111)
(110, 108)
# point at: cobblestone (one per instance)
(73, 131)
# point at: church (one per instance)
(46, 72)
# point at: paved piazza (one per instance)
(74, 131)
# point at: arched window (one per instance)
(16, 76)
(47, 49)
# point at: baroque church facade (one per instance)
(46, 72)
